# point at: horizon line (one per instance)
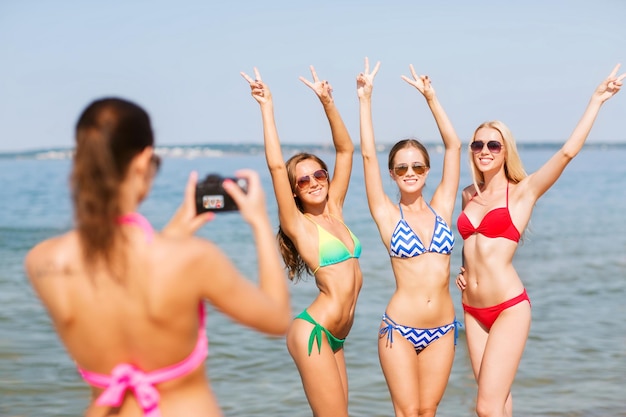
(326, 145)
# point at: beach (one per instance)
(572, 260)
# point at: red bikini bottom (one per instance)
(488, 315)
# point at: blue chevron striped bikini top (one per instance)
(405, 243)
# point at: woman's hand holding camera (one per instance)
(251, 204)
(186, 221)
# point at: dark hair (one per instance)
(293, 262)
(408, 143)
(109, 133)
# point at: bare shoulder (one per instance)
(469, 191)
(51, 255)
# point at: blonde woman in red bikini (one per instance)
(496, 210)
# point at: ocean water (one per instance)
(572, 261)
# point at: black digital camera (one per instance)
(211, 196)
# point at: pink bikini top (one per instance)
(126, 376)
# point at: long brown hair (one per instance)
(109, 133)
(293, 261)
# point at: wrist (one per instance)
(431, 100)
(597, 100)
(327, 102)
(260, 221)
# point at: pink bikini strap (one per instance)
(137, 219)
(126, 376)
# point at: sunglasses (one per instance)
(321, 175)
(493, 146)
(401, 169)
(155, 161)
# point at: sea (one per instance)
(572, 260)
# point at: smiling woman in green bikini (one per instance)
(314, 240)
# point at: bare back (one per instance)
(147, 317)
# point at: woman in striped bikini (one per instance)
(418, 360)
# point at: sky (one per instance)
(532, 64)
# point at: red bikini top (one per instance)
(496, 223)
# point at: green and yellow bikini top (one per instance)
(332, 250)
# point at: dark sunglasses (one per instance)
(321, 175)
(155, 161)
(401, 169)
(493, 146)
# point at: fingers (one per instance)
(195, 221)
(413, 73)
(460, 282)
(235, 192)
(367, 68)
(247, 77)
(376, 67)
(200, 220)
(254, 186)
(186, 221)
(460, 279)
(190, 188)
(305, 81)
(315, 81)
(253, 83)
(314, 74)
(615, 81)
(250, 175)
(614, 72)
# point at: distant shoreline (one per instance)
(216, 150)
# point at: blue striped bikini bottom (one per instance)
(419, 338)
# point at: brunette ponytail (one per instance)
(109, 133)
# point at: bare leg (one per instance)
(495, 358)
(323, 374)
(416, 382)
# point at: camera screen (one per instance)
(211, 196)
(212, 202)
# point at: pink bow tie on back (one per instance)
(127, 377)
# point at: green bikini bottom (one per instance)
(316, 333)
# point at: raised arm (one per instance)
(540, 181)
(376, 197)
(287, 210)
(344, 148)
(445, 194)
(265, 307)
